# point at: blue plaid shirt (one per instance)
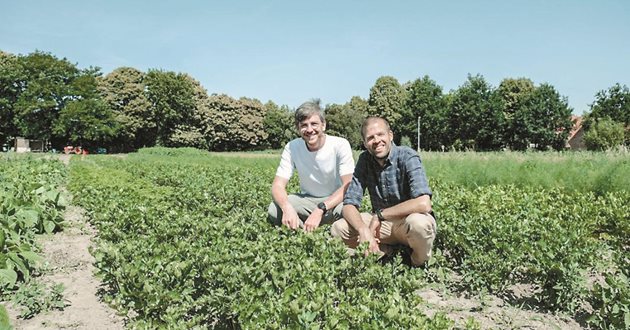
(401, 179)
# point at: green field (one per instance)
(183, 242)
(573, 171)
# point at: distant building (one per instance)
(25, 145)
(21, 145)
(575, 141)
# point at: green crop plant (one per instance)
(30, 203)
(184, 242)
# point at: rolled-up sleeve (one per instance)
(354, 193)
(418, 183)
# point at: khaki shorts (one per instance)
(304, 206)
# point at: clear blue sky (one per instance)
(290, 51)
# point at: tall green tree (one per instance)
(234, 124)
(425, 105)
(387, 98)
(613, 103)
(474, 116)
(11, 79)
(346, 120)
(190, 132)
(358, 104)
(513, 92)
(45, 91)
(124, 91)
(86, 119)
(544, 120)
(172, 103)
(87, 122)
(279, 125)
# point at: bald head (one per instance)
(372, 119)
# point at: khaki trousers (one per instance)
(304, 206)
(417, 231)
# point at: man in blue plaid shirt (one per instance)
(400, 196)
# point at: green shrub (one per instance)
(605, 134)
(30, 203)
(406, 141)
(612, 302)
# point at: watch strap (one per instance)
(322, 206)
(379, 214)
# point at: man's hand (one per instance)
(375, 228)
(313, 220)
(366, 235)
(290, 217)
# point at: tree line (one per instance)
(48, 98)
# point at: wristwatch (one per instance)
(379, 214)
(322, 206)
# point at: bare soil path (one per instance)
(68, 261)
(490, 312)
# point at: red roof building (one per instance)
(575, 141)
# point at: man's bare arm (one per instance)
(337, 196)
(313, 220)
(353, 217)
(280, 196)
(421, 204)
(279, 191)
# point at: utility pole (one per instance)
(418, 134)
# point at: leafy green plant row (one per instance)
(30, 203)
(498, 236)
(186, 239)
(187, 245)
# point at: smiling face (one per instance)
(377, 139)
(312, 130)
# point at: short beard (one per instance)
(380, 158)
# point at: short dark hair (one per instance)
(308, 109)
(371, 119)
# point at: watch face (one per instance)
(321, 206)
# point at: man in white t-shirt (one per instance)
(324, 165)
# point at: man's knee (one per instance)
(422, 225)
(340, 229)
(274, 214)
(420, 236)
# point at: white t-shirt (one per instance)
(319, 171)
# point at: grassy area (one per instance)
(573, 171)
(597, 172)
